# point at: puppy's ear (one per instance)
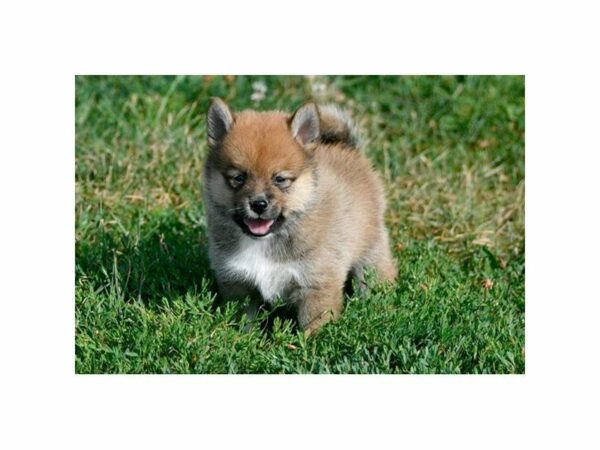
(219, 122)
(305, 124)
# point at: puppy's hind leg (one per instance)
(386, 267)
(380, 257)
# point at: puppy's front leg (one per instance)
(231, 291)
(319, 305)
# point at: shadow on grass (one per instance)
(160, 260)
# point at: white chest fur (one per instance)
(270, 277)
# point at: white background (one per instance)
(43, 404)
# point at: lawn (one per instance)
(451, 152)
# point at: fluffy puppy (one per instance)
(293, 209)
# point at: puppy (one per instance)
(293, 209)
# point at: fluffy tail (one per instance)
(337, 127)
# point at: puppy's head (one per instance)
(259, 169)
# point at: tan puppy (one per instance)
(293, 209)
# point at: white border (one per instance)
(45, 404)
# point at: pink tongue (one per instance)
(258, 226)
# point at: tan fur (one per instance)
(331, 215)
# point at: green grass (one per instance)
(451, 150)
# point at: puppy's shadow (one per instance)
(164, 259)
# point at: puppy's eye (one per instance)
(282, 182)
(237, 180)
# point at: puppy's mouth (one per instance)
(259, 227)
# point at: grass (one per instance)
(451, 151)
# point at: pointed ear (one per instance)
(219, 121)
(305, 124)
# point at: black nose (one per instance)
(259, 206)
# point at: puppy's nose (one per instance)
(259, 205)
